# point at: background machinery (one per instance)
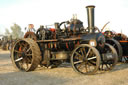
(120, 43)
(5, 43)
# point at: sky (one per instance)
(47, 12)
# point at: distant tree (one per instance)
(7, 33)
(16, 31)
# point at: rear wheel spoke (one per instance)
(28, 49)
(19, 59)
(27, 63)
(17, 51)
(28, 54)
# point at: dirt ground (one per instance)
(63, 75)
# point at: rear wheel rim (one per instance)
(26, 55)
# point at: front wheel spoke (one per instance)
(81, 50)
(77, 62)
(80, 65)
(92, 63)
(78, 54)
(88, 52)
(84, 51)
(92, 58)
(86, 67)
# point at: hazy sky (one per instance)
(46, 12)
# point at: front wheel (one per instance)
(85, 59)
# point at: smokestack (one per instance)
(90, 13)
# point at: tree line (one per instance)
(15, 33)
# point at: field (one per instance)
(63, 75)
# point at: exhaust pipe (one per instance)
(90, 15)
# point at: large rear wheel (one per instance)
(26, 55)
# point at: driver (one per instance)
(31, 28)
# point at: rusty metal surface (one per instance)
(56, 40)
(71, 39)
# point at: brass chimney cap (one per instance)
(90, 6)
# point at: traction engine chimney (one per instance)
(90, 15)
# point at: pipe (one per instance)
(90, 15)
(104, 26)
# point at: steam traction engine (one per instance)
(120, 43)
(123, 40)
(84, 48)
(109, 35)
(5, 43)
